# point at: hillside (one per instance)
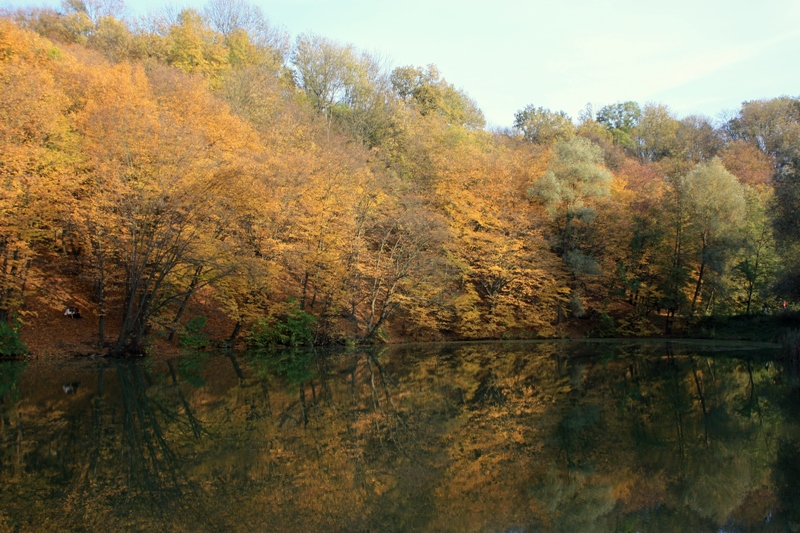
(155, 174)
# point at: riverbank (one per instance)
(48, 332)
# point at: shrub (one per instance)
(192, 335)
(10, 341)
(294, 328)
(605, 326)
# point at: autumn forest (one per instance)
(311, 194)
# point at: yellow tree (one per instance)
(35, 143)
(194, 47)
(500, 277)
(164, 156)
(399, 266)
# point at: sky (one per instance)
(696, 56)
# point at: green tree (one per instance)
(620, 119)
(345, 85)
(655, 136)
(539, 125)
(573, 179)
(114, 39)
(432, 94)
(328, 72)
(774, 127)
(716, 207)
(757, 263)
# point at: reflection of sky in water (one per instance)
(473, 437)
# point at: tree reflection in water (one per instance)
(117, 460)
(487, 437)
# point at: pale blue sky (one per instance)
(698, 57)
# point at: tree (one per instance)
(655, 136)
(748, 163)
(36, 166)
(574, 178)
(542, 126)
(162, 167)
(757, 262)
(402, 258)
(771, 125)
(698, 140)
(328, 72)
(346, 86)
(114, 39)
(623, 116)
(95, 10)
(194, 47)
(228, 16)
(433, 95)
(716, 206)
(620, 119)
(774, 127)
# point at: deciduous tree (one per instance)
(542, 126)
(574, 178)
(716, 206)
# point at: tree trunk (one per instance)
(303, 294)
(100, 294)
(182, 308)
(700, 274)
(752, 281)
(235, 333)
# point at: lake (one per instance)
(489, 437)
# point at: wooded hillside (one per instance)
(302, 184)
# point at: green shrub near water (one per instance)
(10, 341)
(192, 335)
(606, 326)
(10, 372)
(277, 340)
(294, 328)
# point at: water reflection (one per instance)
(486, 437)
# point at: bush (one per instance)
(294, 328)
(10, 342)
(605, 326)
(192, 337)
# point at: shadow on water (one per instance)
(551, 436)
(115, 457)
(787, 479)
(156, 486)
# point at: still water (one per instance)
(522, 437)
